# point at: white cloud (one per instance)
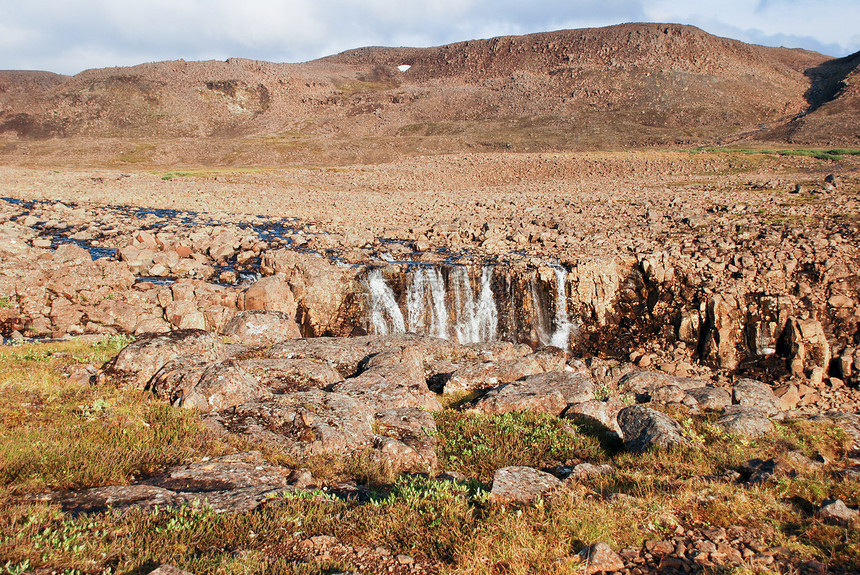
(70, 35)
(823, 24)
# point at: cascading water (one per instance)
(487, 315)
(555, 333)
(563, 325)
(432, 308)
(385, 315)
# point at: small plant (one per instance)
(602, 392)
(7, 301)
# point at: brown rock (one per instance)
(259, 327)
(521, 485)
(600, 558)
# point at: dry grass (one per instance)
(55, 434)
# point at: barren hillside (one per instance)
(631, 85)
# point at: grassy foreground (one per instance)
(56, 434)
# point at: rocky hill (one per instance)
(621, 86)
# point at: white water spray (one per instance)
(385, 315)
(563, 325)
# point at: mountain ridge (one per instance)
(630, 85)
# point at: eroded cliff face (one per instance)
(728, 288)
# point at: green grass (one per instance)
(55, 434)
(210, 172)
(834, 154)
(476, 444)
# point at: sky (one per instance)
(69, 36)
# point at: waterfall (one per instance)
(556, 333)
(487, 316)
(433, 308)
(415, 308)
(464, 306)
(539, 321)
(439, 315)
(563, 325)
(385, 315)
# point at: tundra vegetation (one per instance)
(56, 433)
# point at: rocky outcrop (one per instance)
(137, 363)
(303, 424)
(234, 483)
(261, 327)
(544, 393)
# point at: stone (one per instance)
(490, 374)
(221, 385)
(168, 570)
(239, 482)
(835, 511)
(185, 315)
(519, 484)
(323, 289)
(590, 471)
(135, 365)
(758, 471)
(601, 413)
(543, 393)
(290, 375)
(644, 428)
(713, 398)
(806, 346)
(747, 421)
(599, 558)
(645, 383)
(757, 395)
(414, 429)
(303, 424)
(789, 397)
(270, 294)
(393, 378)
(260, 327)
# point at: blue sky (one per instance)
(68, 36)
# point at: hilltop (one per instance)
(632, 85)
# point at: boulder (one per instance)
(407, 439)
(544, 393)
(757, 395)
(222, 385)
(270, 294)
(747, 421)
(599, 558)
(835, 511)
(521, 485)
(291, 375)
(602, 413)
(393, 378)
(260, 327)
(135, 365)
(715, 398)
(485, 375)
(303, 424)
(644, 384)
(644, 428)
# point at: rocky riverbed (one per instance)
(611, 292)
